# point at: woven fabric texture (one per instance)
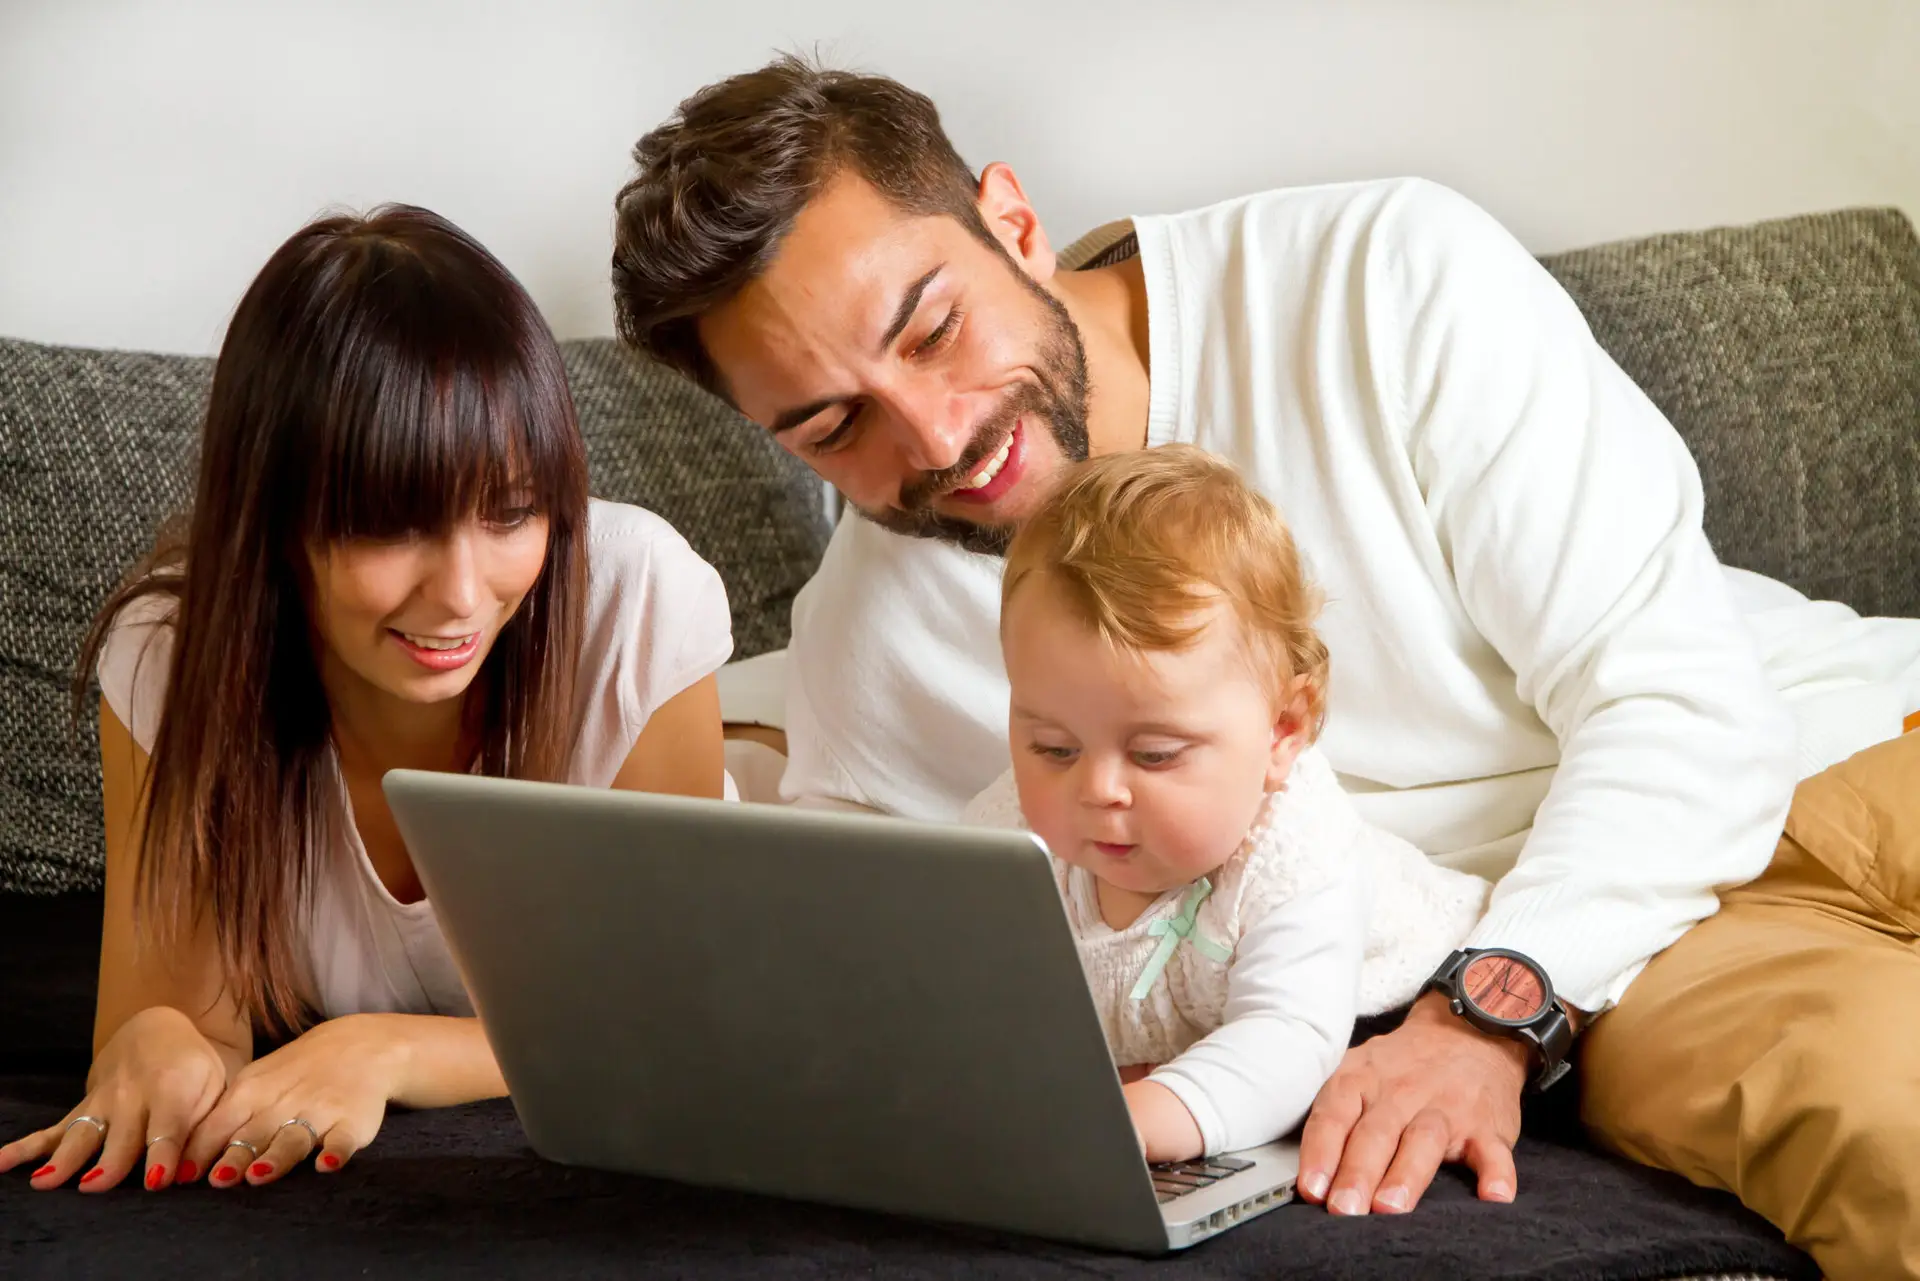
(1787, 354)
(97, 448)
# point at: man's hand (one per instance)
(1436, 1089)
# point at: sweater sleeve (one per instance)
(1570, 511)
(1292, 989)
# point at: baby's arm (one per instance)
(1292, 990)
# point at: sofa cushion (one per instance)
(1788, 356)
(97, 447)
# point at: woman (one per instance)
(391, 562)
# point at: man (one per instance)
(1539, 674)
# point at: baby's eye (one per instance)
(1156, 760)
(1053, 753)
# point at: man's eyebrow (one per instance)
(788, 419)
(909, 303)
(799, 414)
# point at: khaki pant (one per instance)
(1774, 1051)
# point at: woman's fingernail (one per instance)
(156, 1175)
(1348, 1202)
(1499, 1192)
(1314, 1185)
(92, 1174)
(260, 1169)
(1394, 1199)
(223, 1174)
(327, 1162)
(42, 1172)
(187, 1170)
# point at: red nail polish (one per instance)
(223, 1174)
(260, 1170)
(91, 1175)
(45, 1169)
(187, 1170)
(155, 1177)
(327, 1162)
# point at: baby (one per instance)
(1233, 912)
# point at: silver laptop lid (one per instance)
(841, 1008)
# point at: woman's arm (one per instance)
(168, 1036)
(681, 749)
(339, 1076)
(135, 973)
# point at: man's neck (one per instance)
(1109, 305)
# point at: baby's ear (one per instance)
(1292, 731)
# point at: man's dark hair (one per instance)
(721, 182)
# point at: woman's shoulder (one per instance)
(657, 616)
(622, 536)
(638, 563)
(135, 659)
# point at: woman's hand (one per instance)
(151, 1084)
(325, 1092)
(328, 1091)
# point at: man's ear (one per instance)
(1011, 218)
(1292, 731)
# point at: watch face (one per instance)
(1504, 988)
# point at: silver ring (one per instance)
(242, 1143)
(159, 1138)
(93, 1121)
(300, 1121)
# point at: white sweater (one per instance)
(1538, 674)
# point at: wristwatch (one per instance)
(1504, 993)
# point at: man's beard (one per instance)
(1057, 397)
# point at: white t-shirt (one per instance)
(1539, 672)
(657, 621)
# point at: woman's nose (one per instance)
(453, 581)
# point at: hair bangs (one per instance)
(446, 403)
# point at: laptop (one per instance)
(829, 1007)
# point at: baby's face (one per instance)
(1145, 769)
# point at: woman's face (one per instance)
(415, 618)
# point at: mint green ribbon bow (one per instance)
(1173, 929)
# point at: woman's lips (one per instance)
(438, 659)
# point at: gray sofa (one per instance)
(1787, 354)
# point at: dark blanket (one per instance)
(459, 1193)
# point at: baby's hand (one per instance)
(1167, 1131)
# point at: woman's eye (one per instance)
(512, 517)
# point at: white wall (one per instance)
(152, 154)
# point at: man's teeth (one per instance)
(983, 477)
(436, 642)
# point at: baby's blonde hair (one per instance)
(1138, 543)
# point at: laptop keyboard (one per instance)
(1177, 1178)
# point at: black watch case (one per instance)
(1525, 1010)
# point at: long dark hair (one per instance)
(383, 376)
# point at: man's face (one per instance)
(923, 374)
